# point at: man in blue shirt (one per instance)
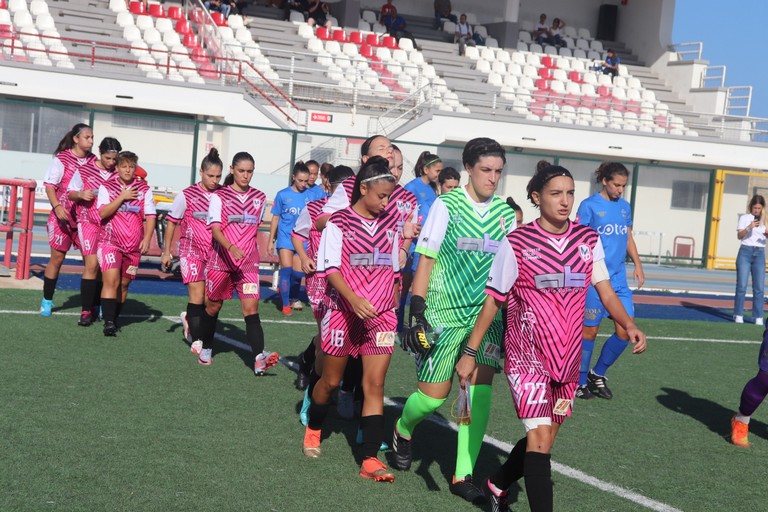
(611, 64)
(610, 215)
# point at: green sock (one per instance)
(471, 436)
(417, 407)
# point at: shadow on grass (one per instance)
(711, 414)
(707, 310)
(133, 312)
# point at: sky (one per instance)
(734, 35)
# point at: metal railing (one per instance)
(688, 51)
(713, 76)
(739, 100)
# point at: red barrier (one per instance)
(11, 225)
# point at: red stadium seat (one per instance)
(356, 37)
(390, 42)
(537, 109)
(175, 12)
(603, 91)
(190, 41)
(196, 15)
(544, 73)
(3, 4)
(618, 105)
(589, 102)
(372, 39)
(322, 34)
(340, 36)
(183, 27)
(540, 96)
(366, 51)
(542, 84)
(156, 10)
(137, 8)
(633, 106)
(572, 100)
(218, 19)
(198, 54)
(662, 120)
(208, 70)
(603, 103)
(575, 76)
(548, 61)
(5, 31)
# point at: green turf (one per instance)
(134, 423)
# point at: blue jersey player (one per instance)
(610, 215)
(285, 211)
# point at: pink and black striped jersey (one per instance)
(365, 252)
(544, 279)
(239, 215)
(125, 228)
(89, 177)
(190, 211)
(305, 226)
(60, 172)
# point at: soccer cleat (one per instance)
(185, 325)
(346, 404)
(304, 411)
(302, 376)
(584, 393)
(45, 307)
(468, 490)
(86, 319)
(110, 328)
(287, 311)
(265, 361)
(598, 385)
(498, 499)
(739, 319)
(311, 446)
(402, 448)
(376, 470)
(196, 347)
(739, 433)
(297, 305)
(758, 321)
(205, 356)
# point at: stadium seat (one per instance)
(584, 34)
(634, 83)
(491, 42)
(333, 47)
(483, 66)
(548, 62)
(565, 52)
(243, 35)
(356, 37)
(226, 34)
(383, 53)
(363, 26)
(603, 91)
(296, 17)
(578, 53)
(620, 81)
(156, 11)
(23, 20)
(5, 31)
(38, 7)
(582, 44)
(124, 19)
(131, 33)
(339, 35)
(570, 31)
(218, 19)
(322, 34)
(114, 5)
(524, 36)
(175, 12)
(45, 22)
(389, 42)
(596, 46)
(235, 22)
(575, 77)
(196, 15)
(369, 16)
(372, 40)
(521, 46)
(164, 25)
(366, 51)
(593, 55)
(152, 36)
(191, 41)
(17, 5)
(171, 39)
(183, 27)
(550, 50)
(536, 48)
(542, 84)
(405, 44)
(137, 8)
(544, 73)
(143, 22)
(649, 95)
(604, 80)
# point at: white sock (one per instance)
(740, 417)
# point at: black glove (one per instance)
(416, 337)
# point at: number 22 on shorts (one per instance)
(535, 392)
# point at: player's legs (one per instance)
(60, 240)
(194, 313)
(88, 236)
(284, 278)
(219, 286)
(594, 313)
(295, 290)
(743, 266)
(752, 396)
(111, 278)
(612, 349)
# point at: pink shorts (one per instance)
(537, 396)
(88, 236)
(192, 270)
(61, 234)
(219, 284)
(315, 285)
(343, 334)
(111, 257)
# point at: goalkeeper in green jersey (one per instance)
(457, 244)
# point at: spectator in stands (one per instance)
(387, 10)
(301, 6)
(396, 26)
(225, 7)
(318, 14)
(443, 12)
(541, 33)
(465, 36)
(610, 65)
(555, 37)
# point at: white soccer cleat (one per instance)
(196, 347)
(205, 356)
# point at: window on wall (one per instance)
(689, 195)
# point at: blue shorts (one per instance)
(284, 241)
(595, 312)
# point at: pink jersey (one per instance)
(89, 177)
(305, 226)
(239, 215)
(125, 228)
(365, 252)
(190, 211)
(544, 279)
(60, 172)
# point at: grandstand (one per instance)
(187, 79)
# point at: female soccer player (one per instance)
(542, 270)
(611, 216)
(234, 214)
(72, 154)
(82, 190)
(127, 210)
(285, 210)
(449, 179)
(424, 187)
(457, 244)
(190, 212)
(751, 260)
(359, 257)
(752, 396)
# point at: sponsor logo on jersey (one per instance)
(370, 258)
(561, 281)
(531, 254)
(257, 203)
(600, 214)
(584, 252)
(612, 229)
(457, 219)
(484, 245)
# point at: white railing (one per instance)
(399, 114)
(688, 51)
(713, 76)
(739, 100)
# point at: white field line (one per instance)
(556, 466)
(298, 322)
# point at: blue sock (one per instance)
(296, 278)
(285, 285)
(612, 349)
(587, 346)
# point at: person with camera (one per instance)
(751, 260)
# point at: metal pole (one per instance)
(193, 175)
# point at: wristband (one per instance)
(469, 351)
(57, 206)
(230, 247)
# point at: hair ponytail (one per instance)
(542, 177)
(239, 157)
(375, 169)
(212, 158)
(68, 141)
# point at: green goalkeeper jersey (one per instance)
(463, 237)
